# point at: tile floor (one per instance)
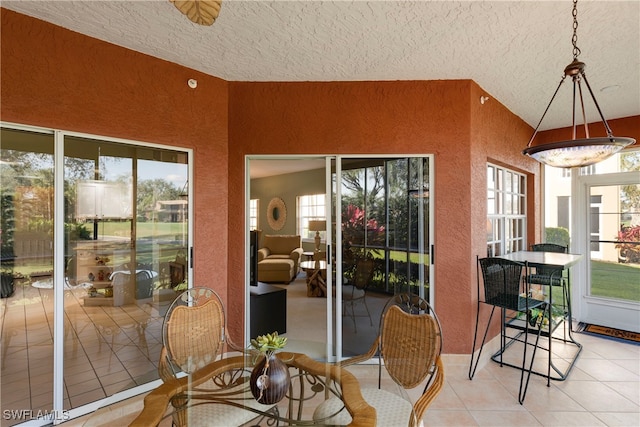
(603, 389)
(107, 349)
(110, 348)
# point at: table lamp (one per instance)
(317, 226)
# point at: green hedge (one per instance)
(557, 235)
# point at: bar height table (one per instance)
(561, 261)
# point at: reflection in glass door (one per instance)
(26, 306)
(613, 295)
(384, 244)
(126, 246)
(86, 326)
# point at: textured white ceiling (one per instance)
(515, 50)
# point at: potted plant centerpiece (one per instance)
(270, 378)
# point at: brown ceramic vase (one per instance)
(270, 380)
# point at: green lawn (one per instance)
(144, 229)
(169, 231)
(611, 280)
(615, 280)
(400, 256)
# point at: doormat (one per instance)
(617, 334)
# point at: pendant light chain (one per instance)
(574, 39)
(576, 152)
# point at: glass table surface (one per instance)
(220, 394)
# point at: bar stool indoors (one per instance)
(551, 276)
(505, 286)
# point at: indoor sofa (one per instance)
(279, 258)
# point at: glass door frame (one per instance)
(337, 212)
(334, 321)
(59, 255)
(592, 309)
(58, 414)
(328, 242)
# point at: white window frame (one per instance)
(585, 170)
(506, 206)
(310, 207)
(254, 220)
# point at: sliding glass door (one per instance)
(368, 223)
(125, 251)
(27, 303)
(384, 244)
(97, 238)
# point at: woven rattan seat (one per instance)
(410, 346)
(193, 336)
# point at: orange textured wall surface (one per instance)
(625, 127)
(403, 117)
(56, 78)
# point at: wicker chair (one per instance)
(193, 337)
(410, 346)
(505, 287)
(550, 276)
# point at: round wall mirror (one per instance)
(276, 213)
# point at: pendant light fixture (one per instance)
(576, 152)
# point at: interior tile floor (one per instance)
(110, 348)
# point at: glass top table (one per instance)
(562, 261)
(543, 259)
(219, 394)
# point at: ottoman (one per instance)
(276, 270)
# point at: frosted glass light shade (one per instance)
(577, 152)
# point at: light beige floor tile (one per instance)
(485, 395)
(562, 419)
(598, 397)
(619, 419)
(550, 399)
(629, 389)
(632, 365)
(609, 349)
(446, 417)
(447, 400)
(578, 374)
(504, 418)
(605, 370)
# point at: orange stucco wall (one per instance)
(624, 127)
(55, 78)
(444, 118)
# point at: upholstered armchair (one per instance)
(279, 258)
